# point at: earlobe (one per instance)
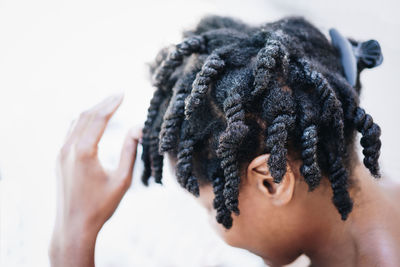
(278, 193)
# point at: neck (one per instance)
(333, 242)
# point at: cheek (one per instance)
(232, 236)
(243, 231)
(237, 235)
(248, 228)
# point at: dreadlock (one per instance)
(153, 160)
(230, 92)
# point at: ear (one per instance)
(259, 176)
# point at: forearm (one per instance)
(73, 246)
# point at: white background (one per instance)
(60, 57)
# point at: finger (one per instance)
(67, 142)
(84, 118)
(97, 123)
(108, 100)
(137, 132)
(128, 157)
(75, 129)
(70, 129)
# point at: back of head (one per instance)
(230, 92)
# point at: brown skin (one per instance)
(278, 222)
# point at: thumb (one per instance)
(128, 156)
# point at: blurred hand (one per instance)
(88, 194)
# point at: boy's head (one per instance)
(247, 114)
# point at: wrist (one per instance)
(73, 245)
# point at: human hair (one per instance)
(230, 92)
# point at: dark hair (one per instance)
(230, 92)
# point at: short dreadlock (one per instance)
(230, 92)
